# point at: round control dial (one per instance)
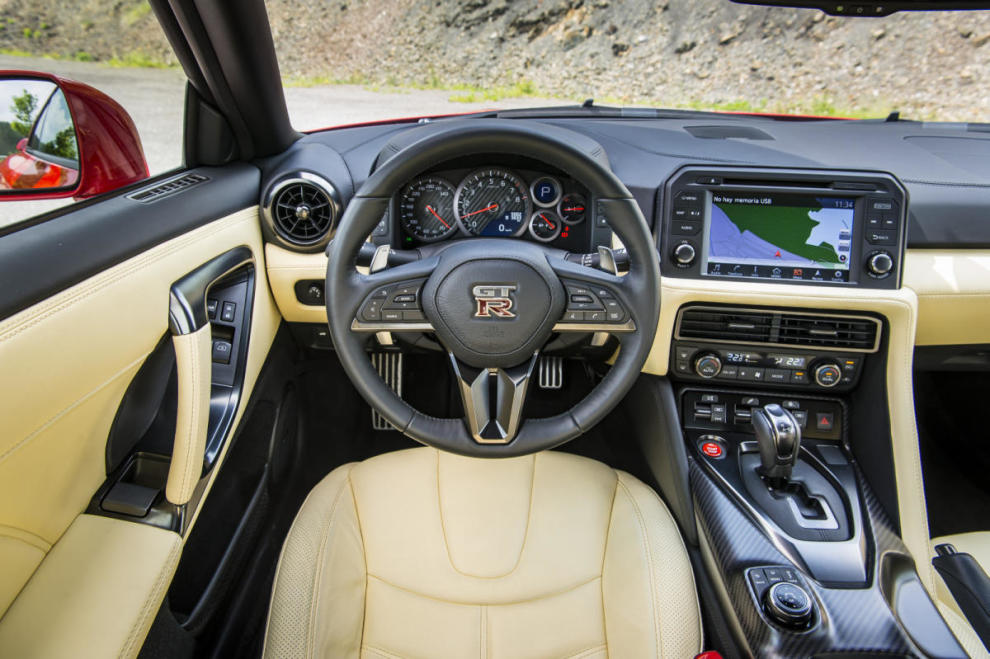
(708, 365)
(828, 374)
(788, 604)
(880, 264)
(684, 254)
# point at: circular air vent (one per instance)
(301, 210)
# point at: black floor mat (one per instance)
(955, 450)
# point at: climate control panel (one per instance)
(805, 369)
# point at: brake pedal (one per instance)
(551, 372)
(389, 367)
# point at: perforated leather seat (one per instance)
(426, 554)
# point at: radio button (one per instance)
(729, 372)
(686, 228)
(881, 237)
(688, 197)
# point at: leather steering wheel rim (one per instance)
(638, 290)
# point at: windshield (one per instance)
(376, 59)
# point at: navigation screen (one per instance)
(779, 236)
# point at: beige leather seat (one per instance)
(426, 554)
(978, 545)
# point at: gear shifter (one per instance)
(779, 438)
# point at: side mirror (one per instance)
(60, 138)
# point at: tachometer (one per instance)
(493, 202)
(426, 209)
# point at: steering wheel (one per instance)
(493, 302)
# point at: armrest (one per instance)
(96, 592)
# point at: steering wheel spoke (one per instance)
(597, 301)
(390, 300)
(493, 398)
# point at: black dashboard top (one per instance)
(945, 168)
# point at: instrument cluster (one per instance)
(493, 202)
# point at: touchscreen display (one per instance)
(778, 236)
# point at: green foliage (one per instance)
(83, 56)
(135, 59)
(23, 108)
(136, 13)
(63, 145)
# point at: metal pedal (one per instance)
(551, 372)
(389, 367)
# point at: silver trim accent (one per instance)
(304, 178)
(551, 372)
(389, 367)
(527, 212)
(786, 346)
(628, 326)
(379, 261)
(360, 326)
(510, 386)
(584, 215)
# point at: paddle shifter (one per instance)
(779, 438)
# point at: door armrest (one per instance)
(96, 592)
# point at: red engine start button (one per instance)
(712, 449)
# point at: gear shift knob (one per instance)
(779, 438)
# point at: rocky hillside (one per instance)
(686, 53)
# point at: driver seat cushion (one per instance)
(420, 553)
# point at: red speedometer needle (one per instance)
(553, 227)
(434, 213)
(490, 208)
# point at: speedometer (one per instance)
(426, 209)
(493, 202)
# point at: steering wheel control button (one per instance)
(828, 374)
(708, 365)
(396, 303)
(712, 446)
(788, 604)
(598, 305)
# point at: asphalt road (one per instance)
(154, 99)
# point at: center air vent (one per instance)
(302, 209)
(809, 330)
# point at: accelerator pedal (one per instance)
(389, 367)
(551, 372)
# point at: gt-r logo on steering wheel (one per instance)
(493, 300)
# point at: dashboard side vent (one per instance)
(828, 332)
(726, 325)
(809, 330)
(301, 210)
(148, 195)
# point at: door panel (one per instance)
(67, 362)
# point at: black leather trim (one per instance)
(41, 260)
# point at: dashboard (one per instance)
(493, 199)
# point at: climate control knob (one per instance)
(708, 365)
(828, 374)
(684, 254)
(880, 264)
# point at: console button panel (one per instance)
(720, 413)
(794, 369)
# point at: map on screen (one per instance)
(781, 231)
